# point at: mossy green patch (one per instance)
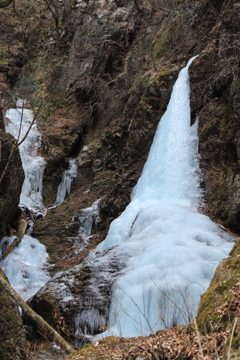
(50, 107)
(111, 341)
(164, 38)
(210, 316)
(86, 347)
(141, 82)
(166, 71)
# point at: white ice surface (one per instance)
(87, 218)
(24, 266)
(171, 250)
(17, 124)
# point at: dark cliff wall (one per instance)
(11, 184)
(106, 83)
(215, 79)
(12, 337)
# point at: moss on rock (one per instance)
(219, 305)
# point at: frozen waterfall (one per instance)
(87, 218)
(17, 123)
(65, 185)
(171, 250)
(25, 265)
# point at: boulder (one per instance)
(76, 302)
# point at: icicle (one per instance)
(65, 185)
(17, 124)
(88, 217)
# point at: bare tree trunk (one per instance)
(47, 330)
(22, 226)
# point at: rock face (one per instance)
(12, 337)
(215, 78)
(11, 183)
(112, 85)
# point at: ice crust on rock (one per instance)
(87, 218)
(160, 252)
(83, 293)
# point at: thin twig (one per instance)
(196, 327)
(21, 120)
(30, 126)
(231, 338)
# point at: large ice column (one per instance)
(171, 250)
(170, 173)
(17, 123)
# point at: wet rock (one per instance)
(76, 302)
(11, 183)
(47, 352)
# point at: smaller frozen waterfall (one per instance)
(17, 123)
(87, 218)
(65, 185)
(25, 266)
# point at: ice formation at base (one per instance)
(171, 250)
(25, 266)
